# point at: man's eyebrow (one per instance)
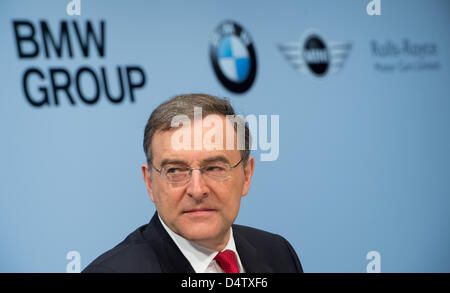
(207, 160)
(215, 159)
(173, 161)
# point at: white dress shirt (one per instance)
(201, 258)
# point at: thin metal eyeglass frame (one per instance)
(192, 169)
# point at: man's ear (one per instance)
(148, 180)
(248, 172)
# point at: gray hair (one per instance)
(161, 117)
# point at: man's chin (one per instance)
(204, 235)
(200, 233)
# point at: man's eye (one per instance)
(175, 170)
(214, 168)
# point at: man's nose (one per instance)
(197, 188)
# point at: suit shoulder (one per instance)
(133, 254)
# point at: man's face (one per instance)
(201, 210)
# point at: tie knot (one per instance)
(227, 261)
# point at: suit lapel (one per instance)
(171, 259)
(250, 257)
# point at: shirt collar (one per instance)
(198, 256)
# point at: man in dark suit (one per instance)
(196, 179)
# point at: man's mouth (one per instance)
(199, 211)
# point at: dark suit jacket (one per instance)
(150, 249)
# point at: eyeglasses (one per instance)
(180, 173)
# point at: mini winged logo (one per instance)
(313, 55)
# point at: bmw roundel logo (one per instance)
(233, 56)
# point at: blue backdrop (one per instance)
(364, 158)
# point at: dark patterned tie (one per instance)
(227, 261)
